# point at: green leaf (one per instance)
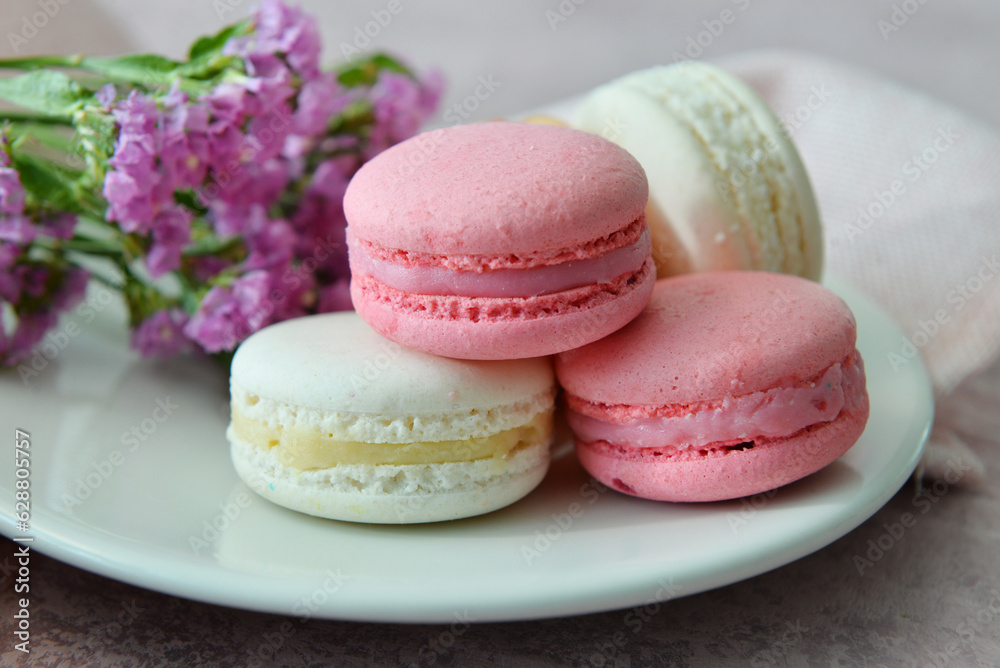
(365, 72)
(46, 183)
(58, 137)
(212, 44)
(386, 62)
(45, 92)
(188, 199)
(208, 66)
(138, 68)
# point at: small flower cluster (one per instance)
(36, 282)
(220, 179)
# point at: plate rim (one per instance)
(164, 571)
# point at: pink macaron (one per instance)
(499, 240)
(728, 384)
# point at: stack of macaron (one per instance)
(493, 262)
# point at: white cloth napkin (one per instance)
(909, 190)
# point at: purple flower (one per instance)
(270, 242)
(162, 334)
(10, 288)
(247, 184)
(58, 225)
(36, 293)
(206, 267)
(130, 188)
(30, 329)
(266, 133)
(184, 146)
(33, 278)
(106, 96)
(11, 190)
(128, 204)
(318, 100)
(320, 220)
(294, 295)
(17, 229)
(227, 315)
(336, 297)
(171, 232)
(71, 290)
(284, 30)
(400, 106)
(136, 114)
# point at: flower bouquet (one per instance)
(207, 192)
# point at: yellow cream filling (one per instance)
(310, 449)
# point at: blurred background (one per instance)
(535, 52)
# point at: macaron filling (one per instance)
(307, 449)
(427, 277)
(775, 413)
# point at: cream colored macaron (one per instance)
(727, 187)
(331, 419)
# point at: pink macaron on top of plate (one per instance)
(703, 337)
(499, 188)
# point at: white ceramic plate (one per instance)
(130, 478)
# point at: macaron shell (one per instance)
(337, 362)
(703, 337)
(451, 491)
(694, 229)
(312, 397)
(804, 214)
(717, 475)
(509, 339)
(728, 189)
(495, 188)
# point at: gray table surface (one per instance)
(933, 599)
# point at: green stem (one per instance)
(40, 62)
(91, 247)
(106, 281)
(26, 117)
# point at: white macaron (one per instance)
(727, 188)
(331, 419)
